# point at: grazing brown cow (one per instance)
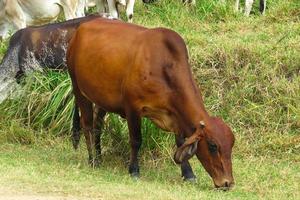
(139, 72)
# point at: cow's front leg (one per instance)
(129, 10)
(134, 126)
(4, 28)
(248, 7)
(186, 169)
(69, 10)
(237, 5)
(262, 6)
(112, 7)
(15, 15)
(102, 6)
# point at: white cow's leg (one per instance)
(129, 10)
(191, 2)
(112, 8)
(262, 6)
(101, 6)
(237, 5)
(80, 8)
(15, 15)
(122, 2)
(4, 24)
(69, 8)
(248, 7)
(4, 29)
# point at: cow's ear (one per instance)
(189, 147)
(184, 153)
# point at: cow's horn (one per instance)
(202, 124)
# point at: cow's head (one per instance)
(212, 146)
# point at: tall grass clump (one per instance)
(42, 101)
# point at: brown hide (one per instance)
(140, 72)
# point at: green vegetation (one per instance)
(248, 70)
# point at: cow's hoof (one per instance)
(75, 139)
(190, 179)
(94, 163)
(135, 176)
(97, 163)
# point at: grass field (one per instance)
(53, 168)
(248, 70)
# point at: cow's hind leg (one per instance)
(86, 118)
(76, 128)
(97, 130)
(186, 169)
(134, 125)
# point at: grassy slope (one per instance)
(248, 70)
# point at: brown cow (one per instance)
(139, 72)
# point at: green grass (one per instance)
(248, 70)
(52, 167)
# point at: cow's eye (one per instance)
(212, 147)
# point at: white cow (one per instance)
(18, 14)
(248, 6)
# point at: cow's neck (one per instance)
(189, 112)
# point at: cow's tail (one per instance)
(9, 67)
